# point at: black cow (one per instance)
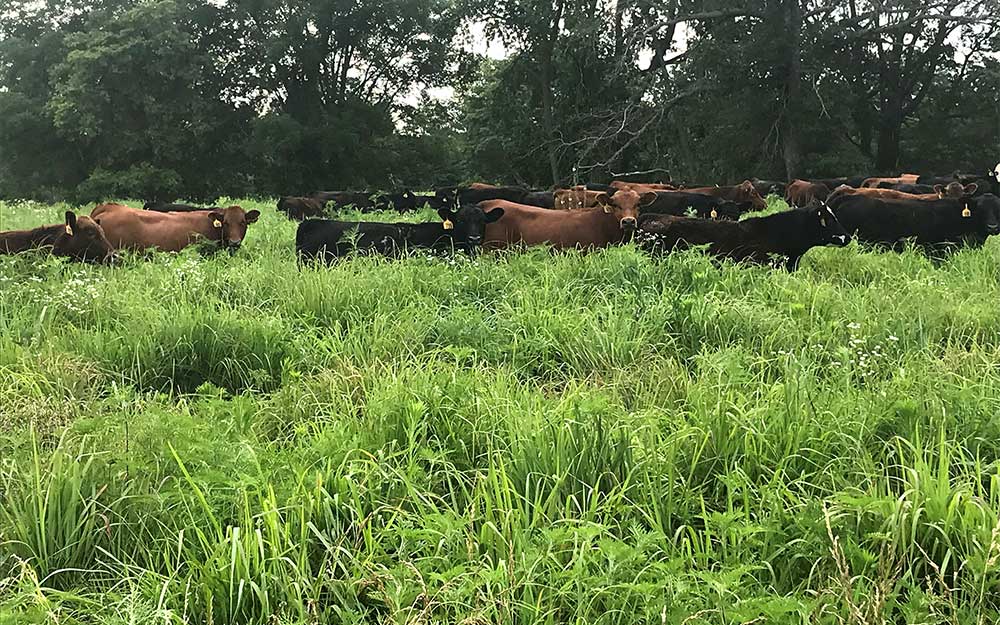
(161, 207)
(343, 199)
(790, 234)
(299, 208)
(541, 199)
(402, 201)
(769, 187)
(329, 240)
(907, 187)
(930, 223)
(474, 195)
(680, 202)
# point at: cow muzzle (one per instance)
(629, 223)
(841, 239)
(993, 228)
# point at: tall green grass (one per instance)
(523, 438)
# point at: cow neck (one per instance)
(20, 240)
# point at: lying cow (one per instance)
(790, 234)
(299, 208)
(133, 229)
(744, 192)
(612, 223)
(328, 239)
(78, 238)
(954, 190)
(704, 206)
(930, 223)
(803, 192)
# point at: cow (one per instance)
(930, 223)
(577, 197)
(769, 187)
(612, 223)
(480, 192)
(744, 192)
(704, 206)
(789, 234)
(874, 182)
(77, 238)
(402, 201)
(133, 229)
(161, 207)
(953, 190)
(340, 199)
(541, 199)
(329, 240)
(801, 193)
(833, 183)
(906, 187)
(641, 187)
(299, 208)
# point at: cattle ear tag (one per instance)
(966, 212)
(217, 223)
(714, 213)
(448, 225)
(69, 230)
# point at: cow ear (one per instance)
(494, 215)
(217, 218)
(647, 198)
(971, 188)
(446, 214)
(253, 216)
(603, 198)
(70, 222)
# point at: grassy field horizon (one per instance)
(528, 437)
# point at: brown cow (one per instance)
(743, 192)
(576, 197)
(953, 190)
(613, 222)
(872, 183)
(78, 238)
(129, 228)
(802, 192)
(482, 185)
(642, 187)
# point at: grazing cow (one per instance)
(769, 187)
(803, 192)
(790, 234)
(328, 240)
(299, 208)
(874, 182)
(161, 207)
(744, 192)
(704, 206)
(613, 222)
(541, 199)
(930, 223)
(133, 229)
(577, 197)
(78, 238)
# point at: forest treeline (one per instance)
(197, 99)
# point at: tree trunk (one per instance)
(791, 146)
(889, 130)
(545, 79)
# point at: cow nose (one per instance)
(993, 228)
(628, 222)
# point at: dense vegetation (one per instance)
(201, 98)
(523, 438)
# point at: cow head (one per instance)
(955, 190)
(727, 210)
(624, 204)
(468, 224)
(826, 225)
(83, 239)
(747, 193)
(232, 223)
(985, 209)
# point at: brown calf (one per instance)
(129, 228)
(79, 238)
(611, 223)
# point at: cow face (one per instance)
(625, 205)
(232, 222)
(468, 225)
(83, 239)
(985, 209)
(955, 190)
(828, 226)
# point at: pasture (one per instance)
(600, 438)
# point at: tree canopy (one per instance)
(197, 99)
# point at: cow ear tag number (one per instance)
(217, 223)
(448, 225)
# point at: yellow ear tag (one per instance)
(966, 212)
(714, 214)
(448, 225)
(217, 223)
(69, 230)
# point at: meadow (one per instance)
(522, 438)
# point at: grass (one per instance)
(524, 438)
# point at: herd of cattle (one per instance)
(930, 210)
